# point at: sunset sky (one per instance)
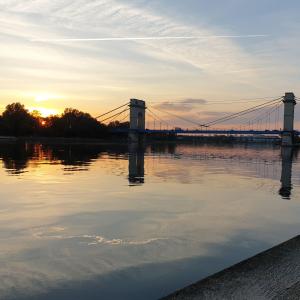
(202, 76)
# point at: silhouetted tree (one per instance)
(17, 121)
(75, 123)
(2, 131)
(117, 124)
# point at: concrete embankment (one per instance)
(272, 274)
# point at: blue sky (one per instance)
(95, 75)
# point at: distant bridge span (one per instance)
(221, 132)
(207, 132)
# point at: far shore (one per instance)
(63, 140)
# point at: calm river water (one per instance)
(108, 222)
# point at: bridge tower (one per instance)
(288, 119)
(137, 120)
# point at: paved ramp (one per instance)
(272, 274)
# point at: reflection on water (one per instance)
(286, 172)
(16, 158)
(137, 222)
(136, 162)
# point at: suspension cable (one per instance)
(155, 118)
(258, 120)
(124, 118)
(111, 111)
(268, 115)
(260, 116)
(158, 117)
(179, 117)
(243, 112)
(115, 115)
(209, 102)
(113, 118)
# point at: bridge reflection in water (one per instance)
(136, 168)
(286, 172)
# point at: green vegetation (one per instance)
(17, 121)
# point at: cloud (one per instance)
(169, 106)
(80, 20)
(184, 105)
(214, 113)
(207, 116)
(105, 39)
(189, 111)
(194, 101)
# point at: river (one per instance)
(83, 221)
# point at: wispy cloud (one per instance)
(145, 38)
(193, 101)
(168, 106)
(181, 105)
(203, 48)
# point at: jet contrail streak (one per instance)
(148, 38)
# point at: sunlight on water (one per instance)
(90, 221)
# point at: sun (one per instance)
(45, 112)
(40, 97)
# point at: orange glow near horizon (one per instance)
(42, 97)
(37, 102)
(45, 112)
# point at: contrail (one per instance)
(149, 38)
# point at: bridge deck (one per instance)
(203, 132)
(233, 132)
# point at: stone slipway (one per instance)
(272, 274)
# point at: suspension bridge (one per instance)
(274, 117)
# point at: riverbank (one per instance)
(272, 274)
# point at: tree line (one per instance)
(17, 121)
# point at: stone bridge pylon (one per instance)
(137, 120)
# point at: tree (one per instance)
(1, 126)
(75, 123)
(17, 121)
(117, 124)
